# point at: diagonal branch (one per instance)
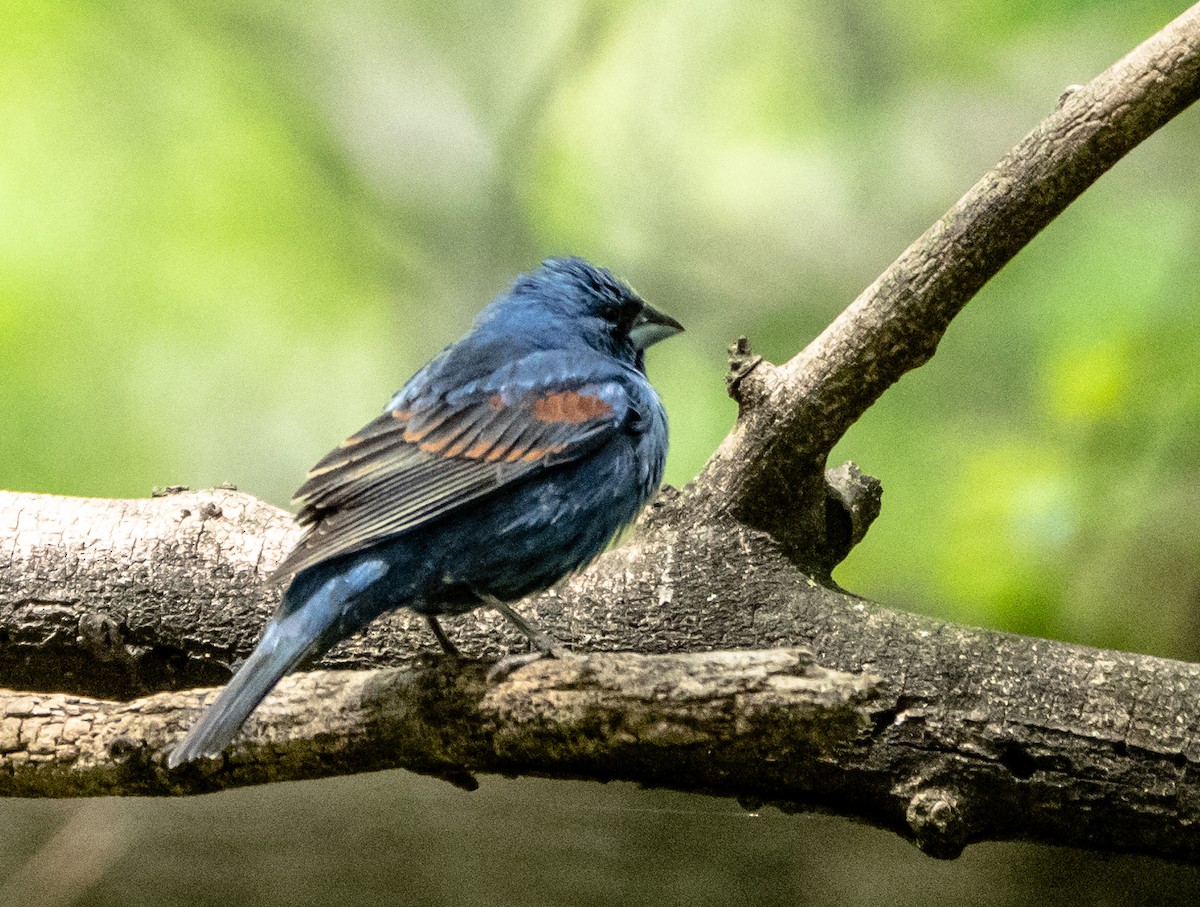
(768, 470)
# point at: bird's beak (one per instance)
(652, 326)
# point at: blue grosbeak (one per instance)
(507, 462)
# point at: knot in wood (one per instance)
(100, 635)
(743, 361)
(937, 824)
(210, 511)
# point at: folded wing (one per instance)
(430, 456)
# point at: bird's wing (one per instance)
(430, 455)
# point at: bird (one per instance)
(509, 461)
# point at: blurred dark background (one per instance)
(228, 231)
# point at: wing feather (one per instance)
(414, 464)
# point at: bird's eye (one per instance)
(625, 313)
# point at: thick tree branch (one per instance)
(769, 470)
(953, 734)
(700, 721)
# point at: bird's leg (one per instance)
(537, 639)
(443, 640)
(542, 643)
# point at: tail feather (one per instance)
(276, 655)
(312, 617)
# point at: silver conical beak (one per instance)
(652, 326)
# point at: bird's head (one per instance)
(568, 301)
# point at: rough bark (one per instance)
(714, 721)
(946, 734)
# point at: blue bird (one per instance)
(507, 462)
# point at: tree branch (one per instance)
(692, 721)
(769, 471)
(945, 734)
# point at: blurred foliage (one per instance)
(229, 230)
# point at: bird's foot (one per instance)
(509, 664)
(504, 668)
(544, 645)
(537, 639)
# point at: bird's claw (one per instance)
(506, 666)
(501, 670)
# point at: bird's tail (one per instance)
(308, 623)
(283, 646)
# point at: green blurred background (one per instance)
(228, 231)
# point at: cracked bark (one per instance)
(946, 734)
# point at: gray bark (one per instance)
(946, 734)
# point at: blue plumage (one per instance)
(507, 462)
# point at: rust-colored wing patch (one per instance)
(412, 465)
(569, 408)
